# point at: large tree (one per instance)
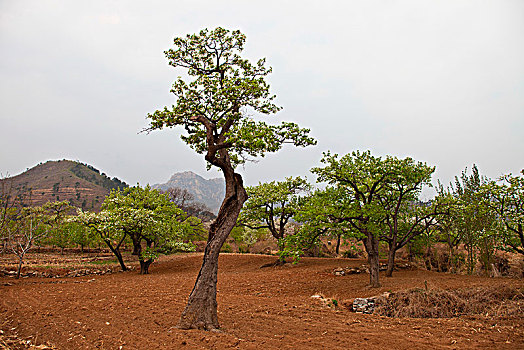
(320, 214)
(359, 179)
(213, 104)
(406, 217)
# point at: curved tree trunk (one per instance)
(201, 308)
(116, 251)
(118, 255)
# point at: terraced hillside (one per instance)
(80, 184)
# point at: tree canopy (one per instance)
(213, 106)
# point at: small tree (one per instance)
(59, 236)
(31, 224)
(10, 206)
(474, 218)
(446, 225)
(212, 106)
(80, 235)
(271, 205)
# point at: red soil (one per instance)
(268, 308)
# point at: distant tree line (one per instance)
(101, 179)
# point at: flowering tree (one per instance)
(147, 217)
(105, 226)
(150, 220)
(213, 107)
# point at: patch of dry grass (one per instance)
(439, 303)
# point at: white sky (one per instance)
(440, 81)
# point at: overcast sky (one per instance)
(439, 81)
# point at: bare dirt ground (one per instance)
(268, 308)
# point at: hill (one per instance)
(209, 192)
(80, 184)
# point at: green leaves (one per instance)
(142, 214)
(214, 104)
(271, 205)
(507, 199)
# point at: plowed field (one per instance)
(269, 308)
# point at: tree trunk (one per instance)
(521, 237)
(471, 263)
(410, 251)
(118, 255)
(337, 249)
(136, 246)
(120, 260)
(391, 258)
(201, 308)
(19, 270)
(144, 266)
(371, 245)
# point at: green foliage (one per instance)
(154, 224)
(214, 104)
(293, 246)
(358, 179)
(245, 237)
(147, 215)
(507, 200)
(59, 236)
(271, 205)
(473, 217)
(104, 224)
(226, 248)
(406, 216)
(352, 253)
(91, 174)
(368, 198)
(81, 235)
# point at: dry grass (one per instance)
(438, 303)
